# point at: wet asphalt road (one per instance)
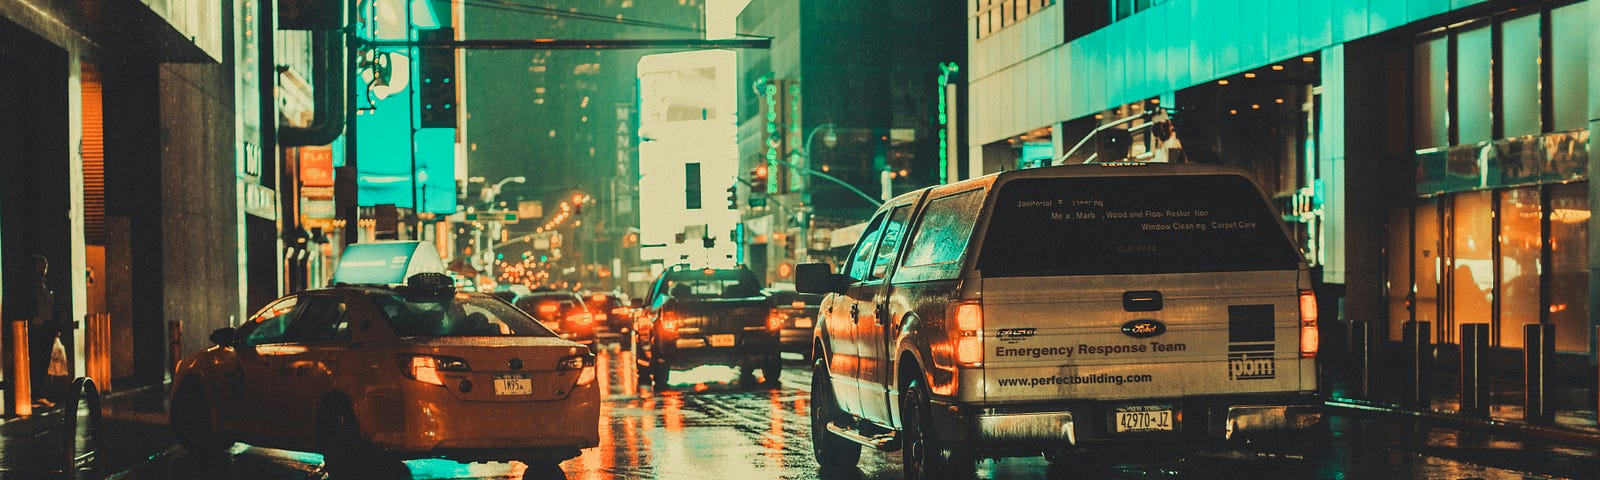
(708, 427)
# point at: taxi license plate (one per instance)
(1144, 418)
(722, 340)
(513, 385)
(802, 322)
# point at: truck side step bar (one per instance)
(887, 442)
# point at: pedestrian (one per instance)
(38, 306)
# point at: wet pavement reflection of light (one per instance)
(709, 427)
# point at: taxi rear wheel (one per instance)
(191, 422)
(544, 470)
(348, 454)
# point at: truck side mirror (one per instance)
(818, 278)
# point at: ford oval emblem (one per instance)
(1144, 328)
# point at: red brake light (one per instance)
(549, 308)
(969, 333)
(1308, 324)
(426, 368)
(775, 320)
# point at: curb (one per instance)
(1548, 432)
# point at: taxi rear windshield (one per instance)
(1133, 225)
(456, 316)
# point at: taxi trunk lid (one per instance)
(505, 369)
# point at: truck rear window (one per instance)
(1133, 225)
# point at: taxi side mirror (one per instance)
(818, 278)
(226, 337)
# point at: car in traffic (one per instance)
(370, 375)
(1064, 309)
(796, 313)
(611, 310)
(562, 311)
(708, 316)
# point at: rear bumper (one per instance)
(1037, 426)
(424, 421)
(694, 350)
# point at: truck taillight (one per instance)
(969, 333)
(1308, 324)
(426, 368)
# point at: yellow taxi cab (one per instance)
(371, 375)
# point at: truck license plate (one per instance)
(722, 340)
(1144, 418)
(513, 385)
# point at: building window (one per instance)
(1474, 97)
(1503, 283)
(1519, 50)
(990, 16)
(1569, 261)
(1569, 58)
(691, 186)
(1431, 101)
(1520, 246)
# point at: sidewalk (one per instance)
(133, 428)
(1574, 405)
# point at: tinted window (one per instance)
(322, 320)
(271, 324)
(456, 316)
(1133, 225)
(890, 244)
(945, 230)
(711, 284)
(861, 259)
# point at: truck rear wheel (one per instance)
(923, 455)
(836, 456)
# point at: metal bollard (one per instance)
(1537, 355)
(1417, 345)
(82, 391)
(1474, 381)
(1361, 353)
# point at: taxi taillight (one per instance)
(426, 368)
(584, 364)
(1308, 324)
(969, 333)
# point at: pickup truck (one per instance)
(1061, 310)
(708, 317)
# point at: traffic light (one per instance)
(436, 93)
(758, 179)
(733, 197)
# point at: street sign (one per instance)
(491, 216)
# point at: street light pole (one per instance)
(494, 225)
(802, 250)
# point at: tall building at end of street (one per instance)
(850, 90)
